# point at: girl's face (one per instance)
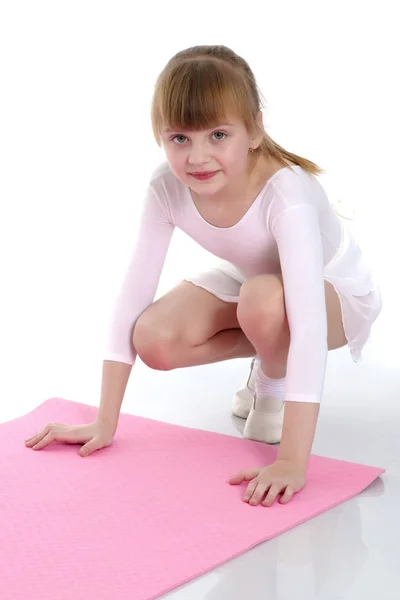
(223, 151)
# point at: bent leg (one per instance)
(262, 317)
(189, 326)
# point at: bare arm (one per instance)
(298, 433)
(114, 382)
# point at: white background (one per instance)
(76, 152)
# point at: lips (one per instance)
(204, 174)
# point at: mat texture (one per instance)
(143, 516)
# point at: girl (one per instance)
(292, 283)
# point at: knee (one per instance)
(155, 343)
(261, 303)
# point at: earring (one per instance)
(251, 150)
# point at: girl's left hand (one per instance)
(282, 476)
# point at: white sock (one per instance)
(270, 393)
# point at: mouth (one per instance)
(203, 175)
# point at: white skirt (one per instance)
(349, 274)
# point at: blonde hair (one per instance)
(199, 86)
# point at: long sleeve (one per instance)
(297, 233)
(142, 278)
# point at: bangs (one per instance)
(202, 87)
(199, 94)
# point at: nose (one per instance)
(198, 154)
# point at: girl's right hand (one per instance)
(94, 436)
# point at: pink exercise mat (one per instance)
(143, 516)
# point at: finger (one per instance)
(274, 490)
(48, 439)
(250, 490)
(289, 492)
(90, 447)
(38, 437)
(259, 493)
(244, 476)
(35, 438)
(31, 440)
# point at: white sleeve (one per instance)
(297, 233)
(142, 278)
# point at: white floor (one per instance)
(350, 552)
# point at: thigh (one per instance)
(189, 313)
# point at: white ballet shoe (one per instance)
(243, 399)
(265, 421)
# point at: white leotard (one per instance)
(290, 229)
